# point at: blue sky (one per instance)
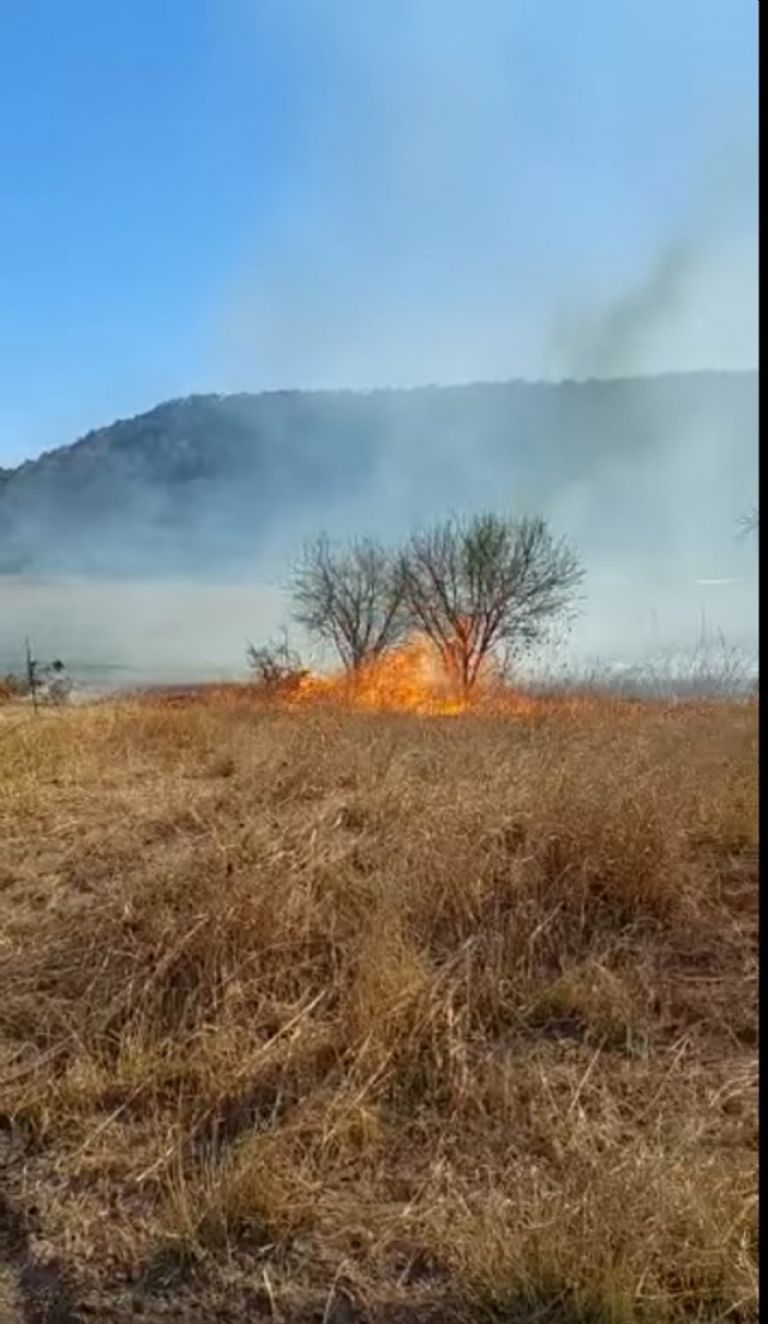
(238, 194)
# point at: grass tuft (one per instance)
(454, 1018)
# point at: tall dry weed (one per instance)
(460, 1012)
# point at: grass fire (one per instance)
(431, 628)
(379, 687)
(410, 678)
(318, 1008)
(407, 679)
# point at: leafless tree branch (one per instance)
(351, 597)
(486, 585)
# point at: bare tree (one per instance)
(486, 587)
(350, 597)
(275, 664)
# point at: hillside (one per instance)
(215, 483)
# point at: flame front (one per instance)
(411, 679)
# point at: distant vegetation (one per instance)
(213, 485)
(40, 682)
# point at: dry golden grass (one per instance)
(322, 1015)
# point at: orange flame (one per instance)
(411, 679)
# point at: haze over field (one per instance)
(305, 197)
(405, 972)
(199, 507)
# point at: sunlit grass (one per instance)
(457, 1013)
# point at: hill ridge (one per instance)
(212, 479)
(372, 391)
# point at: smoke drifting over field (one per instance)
(450, 231)
(198, 508)
(440, 232)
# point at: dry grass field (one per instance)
(344, 1016)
